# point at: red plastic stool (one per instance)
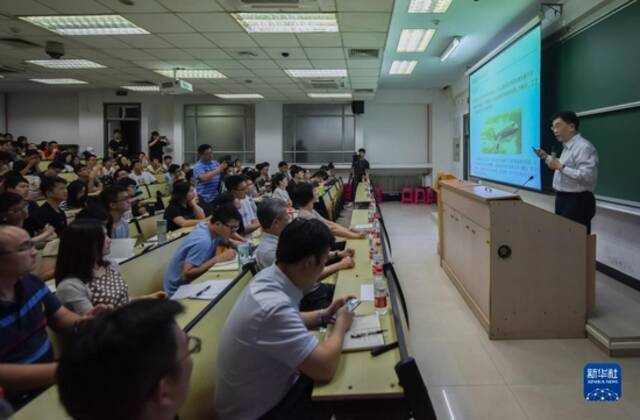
(406, 195)
(431, 196)
(378, 194)
(419, 196)
(347, 191)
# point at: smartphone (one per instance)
(352, 304)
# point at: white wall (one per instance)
(269, 133)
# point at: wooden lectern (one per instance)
(522, 270)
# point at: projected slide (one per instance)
(504, 104)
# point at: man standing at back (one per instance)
(575, 171)
(207, 173)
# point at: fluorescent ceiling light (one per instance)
(59, 81)
(142, 88)
(450, 48)
(239, 95)
(415, 40)
(67, 64)
(306, 73)
(287, 22)
(403, 67)
(429, 6)
(329, 95)
(193, 74)
(86, 24)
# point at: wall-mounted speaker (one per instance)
(357, 107)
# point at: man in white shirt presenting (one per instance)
(575, 171)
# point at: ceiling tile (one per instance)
(294, 53)
(153, 64)
(24, 7)
(325, 53)
(230, 39)
(363, 22)
(115, 63)
(266, 73)
(170, 54)
(320, 40)
(260, 64)
(223, 64)
(364, 39)
(276, 40)
(132, 54)
(364, 5)
(191, 5)
(159, 22)
(294, 64)
(76, 6)
(101, 41)
(363, 64)
(257, 53)
(329, 64)
(208, 53)
(188, 40)
(145, 41)
(364, 72)
(13, 27)
(362, 80)
(239, 73)
(211, 22)
(139, 6)
(187, 64)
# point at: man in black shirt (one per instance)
(156, 144)
(359, 169)
(55, 191)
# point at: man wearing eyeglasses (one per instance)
(575, 171)
(132, 363)
(196, 254)
(27, 307)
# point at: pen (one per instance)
(203, 290)
(367, 334)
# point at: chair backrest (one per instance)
(134, 229)
(148, 226)
(152, 189)
(68, 176)
(144, 273)
(160, 178)
(44, 164)
(199, 404)
(328, 205)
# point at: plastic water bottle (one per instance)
(244, 254)
(161, 225)
(379, 292)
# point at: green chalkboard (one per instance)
(600, 67)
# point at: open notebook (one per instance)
(226, 266)
(207, 290)
(359, 336)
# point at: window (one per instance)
(318, 133)
(229, 129)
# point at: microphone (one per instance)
(525, 183)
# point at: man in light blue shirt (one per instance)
(237, 185)
(197, 252)
(267, 358)
(207, 173)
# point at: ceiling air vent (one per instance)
(364, 91)
(247, 54)
(142, 82)
(278, 5)
(18, 43)
(325, 83)
(363, 53)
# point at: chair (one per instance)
(377, 192)
(347, 192)
(406, 195)
(419, 196)
(432, 196)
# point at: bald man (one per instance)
(26, 308)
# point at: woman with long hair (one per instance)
(183, 209)
(85, 277)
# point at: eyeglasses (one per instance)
(194, 345)
(234, 228)
(25, 246)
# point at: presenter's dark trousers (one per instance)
(579, 207)
(296, 404)
(206, 207)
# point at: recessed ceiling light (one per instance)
(67, 64)
(86, 24)
(239, 95)
(320, 73)
(193, 74)
(287, 22)
(403, 67)
(142, 88)
(415, 40)
(60, 81)
(450, 48)
(329, 95)
(429, 6)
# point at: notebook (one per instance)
(207, 290)
(226, 266)
(363, 325)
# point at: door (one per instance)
(126, 118)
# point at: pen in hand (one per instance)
(360, 335)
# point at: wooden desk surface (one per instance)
(359, 375)
(361, 195)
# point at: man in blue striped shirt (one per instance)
(27, 307)
(207, 173)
